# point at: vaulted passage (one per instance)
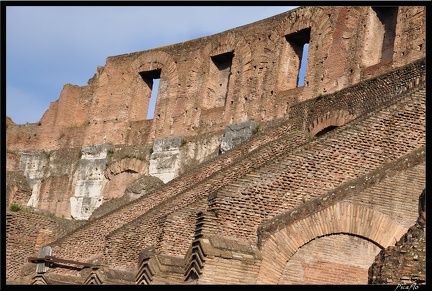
(293, 266)
(323, 260)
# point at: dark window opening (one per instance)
(220, 72)
(299, 41)
(223, 61)
(325, 130)
(151, 78)
(388, 19)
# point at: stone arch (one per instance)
(333, 118)
(304, 17)
(231, 41)
(342, 217)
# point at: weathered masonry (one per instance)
(250, 172)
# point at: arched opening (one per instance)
(325, 130)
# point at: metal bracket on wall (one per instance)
(49, 261)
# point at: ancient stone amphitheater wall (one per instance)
(256, 178)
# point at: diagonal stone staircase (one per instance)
(273, 173)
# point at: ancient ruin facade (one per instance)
(248, 173)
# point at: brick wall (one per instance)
(281, 171)
(309, 172)
(26, 233)
(261, 86)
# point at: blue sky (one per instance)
(50, 46)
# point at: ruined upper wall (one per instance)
(246, 73)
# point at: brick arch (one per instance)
(128, 164)
(318, 20)
(242, 52)
(242, 69)
(229, 42)
(120, 175)
(159, 60)
(342, 217)
(155, 60)
(333, 118)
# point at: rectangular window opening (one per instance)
(152, 78)
(299, 42)
(223, 61)
(387, 17)
(153, 97)
(303, 65)
(220, 71)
